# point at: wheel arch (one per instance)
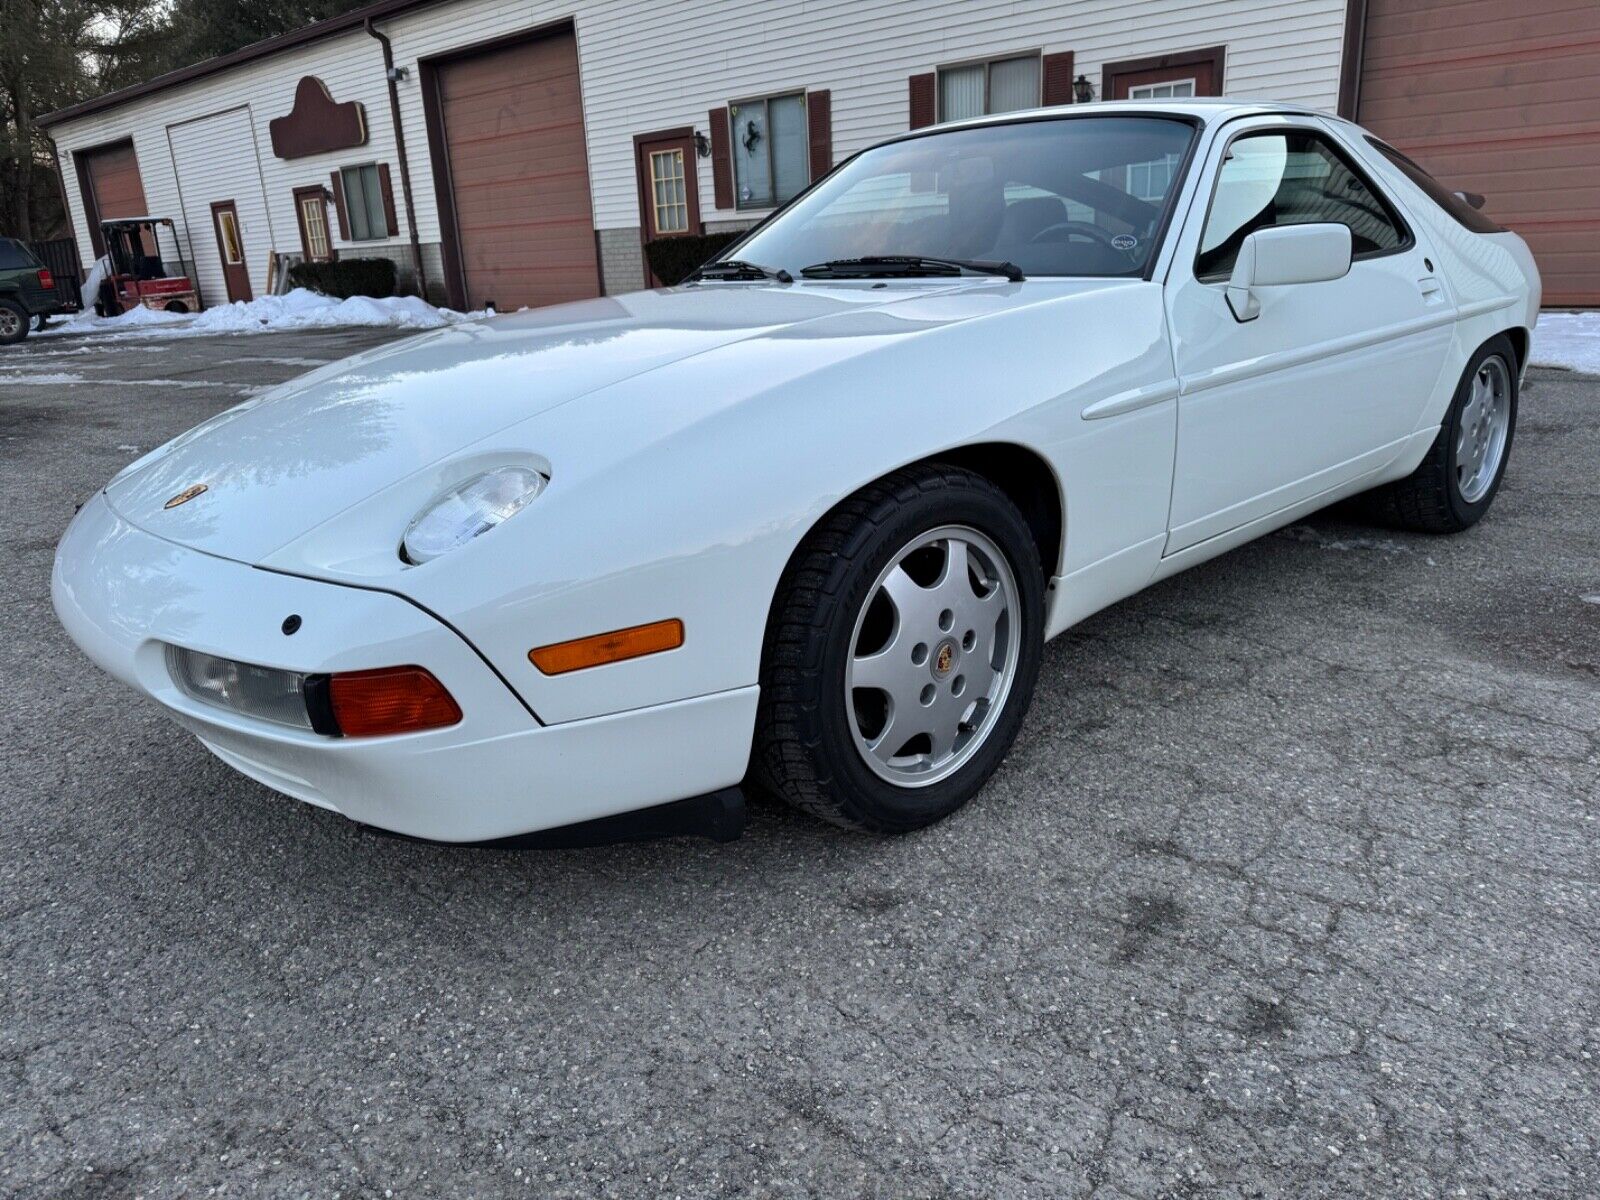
(1028, 481)
(1521, 341)
(1024, 475)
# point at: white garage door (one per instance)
(215, 158)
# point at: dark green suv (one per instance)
(27, 291)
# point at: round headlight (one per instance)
(472, 507)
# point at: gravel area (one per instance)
(1290, 888)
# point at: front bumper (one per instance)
(122, 593)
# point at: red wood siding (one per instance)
(513, 128)
(721, 159)
(1502, 99)
(1057, 78)
(819, 126)
(924, 106)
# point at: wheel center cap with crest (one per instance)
(944, 658)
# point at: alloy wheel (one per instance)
(932, 656)
(1483, 430)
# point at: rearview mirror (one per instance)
(1286, 254)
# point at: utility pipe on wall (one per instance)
(400, 151)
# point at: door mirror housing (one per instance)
(1286, 254)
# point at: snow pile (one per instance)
(298, 309)
(1568, 339)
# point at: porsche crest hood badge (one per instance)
(183, 497)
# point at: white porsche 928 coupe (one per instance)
(806, 520)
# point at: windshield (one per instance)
(1074, 196)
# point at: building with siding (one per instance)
(522, 152)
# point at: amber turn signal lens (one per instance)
(611, 647)
(390, 700)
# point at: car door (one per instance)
(1323, 385)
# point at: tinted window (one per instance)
(1437, 192)
(1291, 178)
(14, 254)
(1079, 196)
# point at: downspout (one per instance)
(400, 152)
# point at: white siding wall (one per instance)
(352, 67)
(650, 65)
(216, 160)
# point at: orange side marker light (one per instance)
(601, 648)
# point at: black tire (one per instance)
(805, 751)
(14, 322)
(178, 306)
(1430, 500)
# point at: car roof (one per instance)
(1208, 109)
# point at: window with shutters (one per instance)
(363, 204)
(995, 85)
(771, 160)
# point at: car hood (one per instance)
(283, 463)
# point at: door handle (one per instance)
(1431, 288)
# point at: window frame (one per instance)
(1408, 239)
(764, 100)
(349, 231)
(986, 62)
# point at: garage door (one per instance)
(519, 175)
(216, 161)
(1502, 99)
(114, 176)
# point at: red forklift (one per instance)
(138, 276)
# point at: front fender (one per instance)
(683, 492)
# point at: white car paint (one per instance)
(692, 436)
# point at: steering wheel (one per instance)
(1082, 229)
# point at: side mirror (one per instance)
(1286, 254)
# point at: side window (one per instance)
(363, 198)
(1290, 178)
(769, 150)
(1437, 192)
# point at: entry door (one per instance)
(230, 245)
(1324, 384)
(669, 196)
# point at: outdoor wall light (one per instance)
(702, 144)
(1082, 90)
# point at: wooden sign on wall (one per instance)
(316, 125)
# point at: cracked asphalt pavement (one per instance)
(1290, 888)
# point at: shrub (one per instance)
(672, 258)
(346, 277)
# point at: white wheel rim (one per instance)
(1484, 428)
(9, 323)
(931, 663)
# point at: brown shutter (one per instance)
(922, 100)
(387, 188)
(338, 207)
(721, 160)
(1058, 78)
(819, 124)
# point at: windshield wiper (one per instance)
(734, 268)
(913, 265)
